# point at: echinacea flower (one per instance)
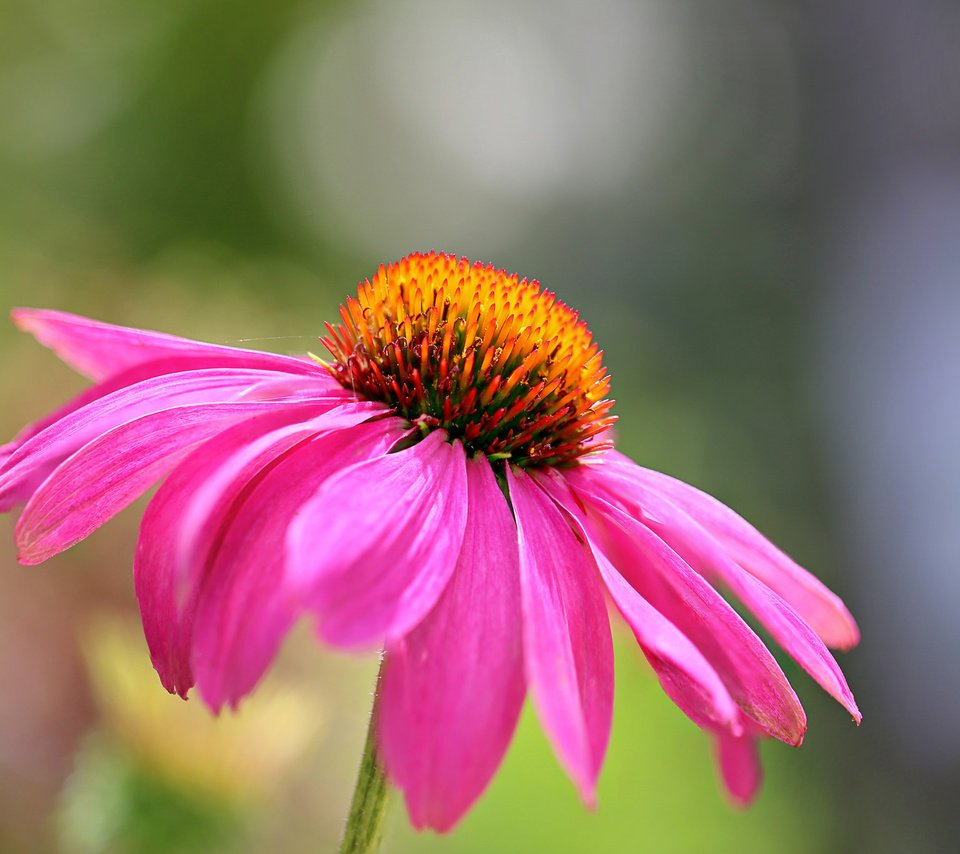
(445, 488)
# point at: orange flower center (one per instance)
(491, 358)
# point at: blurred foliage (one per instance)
(112, 804)
(164, 775)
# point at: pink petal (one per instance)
(795, 636)
(108, 473)
(306, 388)
(294, 389)
(77, 428)
(749, 671)
(243, 611)
(700, 548)
(311, 387)
(807, 595)
(166, 605)
(374, 548)
(739, 762)
(566, 634)
(27, 484)
(101, 350)
(686, 676)
(453, 688)
(204, 510)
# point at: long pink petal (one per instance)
(661, 576)
(700, 548)
(205, 509)
(372, 551)
(308, 386)
(453, 688)
(822, 609)
(100, 350)
(692, 683)
(685, 674)
(26, 485)
(167, 604)
(566, 633)
(113, 470)
(244, 611)
(83, 425)
(795, 636)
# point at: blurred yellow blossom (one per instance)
(236, 757)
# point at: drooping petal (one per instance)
(685, 674)
(101, 350)
(243, 610)
(206, 508)
(453, 688)
(372, 551)
(795, 636)
(739, 762)
(77, 428)
(661, 576)
(807, 595)
(104, 476)
(167, 604)
(700, 548)
(308, 386)
(566, 633)
(26, 484)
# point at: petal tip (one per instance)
(849, 640)
(850, 704)
(30, 320)
(742, 800)
(29, 553)
(173, 686)
(21, 317)
(214, 702)
(589, 798)
(438, 823)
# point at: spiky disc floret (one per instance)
(489, 357)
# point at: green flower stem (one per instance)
(365, 821)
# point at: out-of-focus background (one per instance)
(755, 205)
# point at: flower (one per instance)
(445, 487)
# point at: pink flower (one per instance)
(445, 488)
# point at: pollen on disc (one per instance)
(491, 358)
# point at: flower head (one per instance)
(445, 488)
(492, 360)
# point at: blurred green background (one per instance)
(754, 204)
